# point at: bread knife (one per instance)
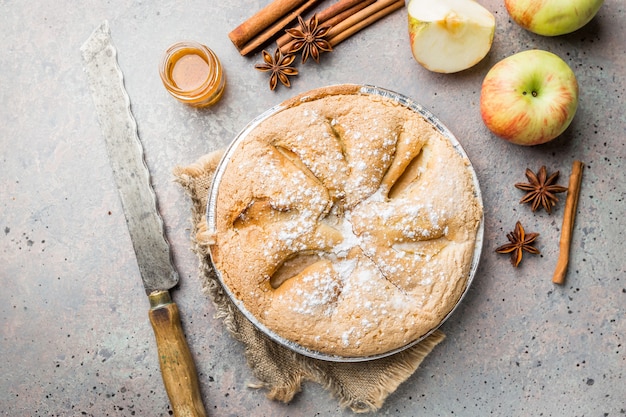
(145, 224)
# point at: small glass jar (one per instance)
(192, 74)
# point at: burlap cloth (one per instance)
(361, 386)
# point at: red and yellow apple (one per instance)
(529, 98)
(449, 35)
(552, 17)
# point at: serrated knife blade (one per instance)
(145, 226)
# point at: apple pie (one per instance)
(345, 223)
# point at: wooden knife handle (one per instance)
(177, 365)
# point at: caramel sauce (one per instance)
(190, 72)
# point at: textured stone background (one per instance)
(75, 338)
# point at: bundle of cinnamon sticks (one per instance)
(346, 17)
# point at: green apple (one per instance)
(552, 17)
(529, 98)
(449, 35)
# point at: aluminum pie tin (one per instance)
(309, 96)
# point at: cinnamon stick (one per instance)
(358, 25)
(571, 204)
(332, 15)
(267, 23)
(261, 20)
(358, 18)
(340, 17)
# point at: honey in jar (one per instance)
(192, 74)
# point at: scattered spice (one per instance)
(520, 241)
(541, 189)
(571, 203)
(322, 33)
(279, 66)
(309, 38)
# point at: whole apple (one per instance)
(552, 17)
(529, 98)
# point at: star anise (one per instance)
(310, 39)
(520, 242)
(279, 66)
(541, 189)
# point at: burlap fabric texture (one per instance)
(361, 386)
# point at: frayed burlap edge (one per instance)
(363, 387)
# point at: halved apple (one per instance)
(449, 35)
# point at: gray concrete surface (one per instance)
(74, 334)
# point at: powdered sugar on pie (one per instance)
(346, 223)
